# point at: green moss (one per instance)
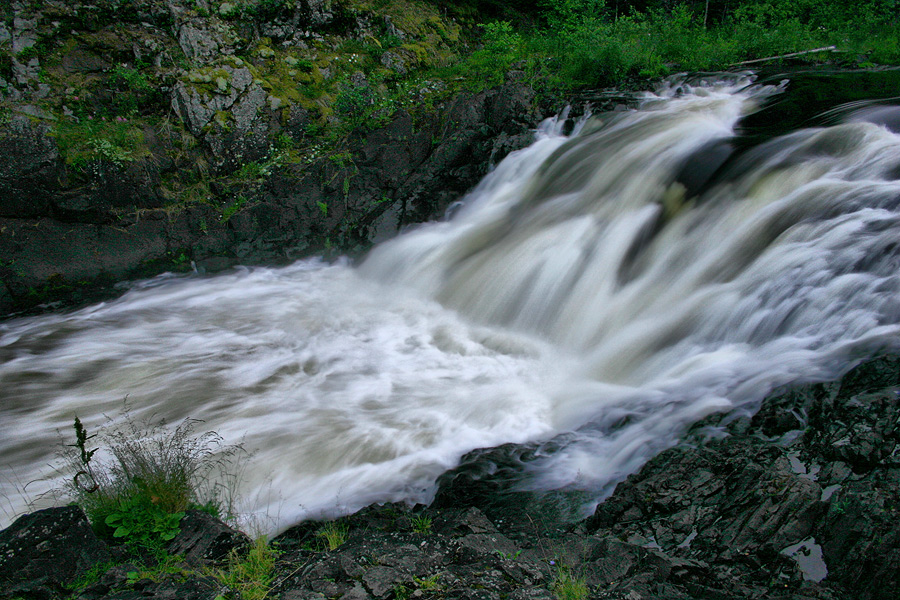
(115, 140)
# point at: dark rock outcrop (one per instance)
(153, 135)
(42, 552)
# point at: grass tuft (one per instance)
(251, 575)
(150, 475)
(333, 534)
(569, 586)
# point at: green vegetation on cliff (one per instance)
(263, 130)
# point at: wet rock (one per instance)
(204, 539)
(807, 491)
(43, 551)
(30, 171)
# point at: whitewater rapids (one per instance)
(583, 290)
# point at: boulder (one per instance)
(204, 539)
(43, 551)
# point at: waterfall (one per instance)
(606, 288)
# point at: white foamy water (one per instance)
(576, 292)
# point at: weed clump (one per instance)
(333, 534)
(569, 586)
(250, 575)
(148, 477)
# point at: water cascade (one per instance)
(606, 288)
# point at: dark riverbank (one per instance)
(798, 502)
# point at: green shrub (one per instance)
(354, 102)
(132, 91)
(151, 476)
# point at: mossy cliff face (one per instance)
(144, 135)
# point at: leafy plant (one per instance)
(142, 523)
(132, 90)
(139, 494)
(232, 209)
(353, 102)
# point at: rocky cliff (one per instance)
(143, 136)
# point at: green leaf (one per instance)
(121, 532)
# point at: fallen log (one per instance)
(791, 55)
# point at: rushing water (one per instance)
(599, 287)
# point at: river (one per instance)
(606, 288)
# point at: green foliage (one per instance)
(116, 140)
(421, 524)
(333, 534)
(132, 91)
(253, 171)
(284, 142)
(235, 207)
(354, 102)
(502, 46)
(568, 586)
(573, 14)
(250, 575)
(593, 43)
(138, 495)
(142, 523)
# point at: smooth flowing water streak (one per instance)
(582, 292)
